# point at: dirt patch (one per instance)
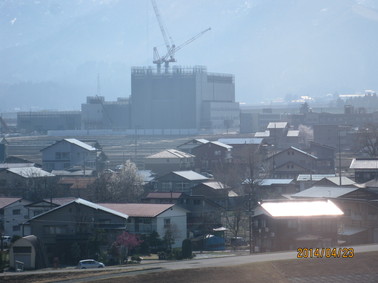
(275, 271)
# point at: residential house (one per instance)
(244, 150)
(178, 181)
(291, 162)
(42, 206)
(145, 218)
(169, 160)
(189, 145)
(70, 153)
(215, 191)
(325, 154)
(364, 169)
(165, 197)
(203, 213)
(280, 135)
(76, 186)
(27, 182)
(359, 224)
(212, 156)
(271, 188)
(78, 222)
(13, 213)
(287, 225)
(306, 181)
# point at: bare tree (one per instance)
(123, 186)
(367, 141)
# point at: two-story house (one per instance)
(291, 162)
(13, 213)
(145, 218)
(212, 156)
(78, 222)
(69, 153)
(178, 181)
(169, 160)
(286, 225)
(24, 182)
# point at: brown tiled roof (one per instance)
(138, 209)
(77, 182)
(7, 201)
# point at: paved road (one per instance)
(216, 262)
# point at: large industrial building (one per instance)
(43, 121)
(182, 98)
(97, 113)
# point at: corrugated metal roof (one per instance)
(364, 164)
(301, 208)
(138, 209)
(241, 141)
(325, 192)
(215, 185)
(301, 151)
(190, 175)
(16, 165)
(313, 177)
(277, 125)
(7, 201)
(293, 133)
(81, 144)
(262, 134)
(171, 153)
(85, 203)
(202, 140)
(344, 180)
(30, 172)
(221, 144)
(269, 182)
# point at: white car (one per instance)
(89, 263)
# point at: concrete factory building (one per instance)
(182, 98)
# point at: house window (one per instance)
(65, 155)
(166, 186)
(58, 155)
(146, 220)
(16, 211)
(16, 228)
(197, 202)
(167, 223)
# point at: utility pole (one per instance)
(339, 155)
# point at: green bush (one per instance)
(187, 249)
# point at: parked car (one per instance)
(89, 263)
(6, 241)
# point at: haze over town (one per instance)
(52, 51)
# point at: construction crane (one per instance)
(169, 44)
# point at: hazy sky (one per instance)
(273, 47)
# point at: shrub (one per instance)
(187, 249)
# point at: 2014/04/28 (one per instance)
(325, 252)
